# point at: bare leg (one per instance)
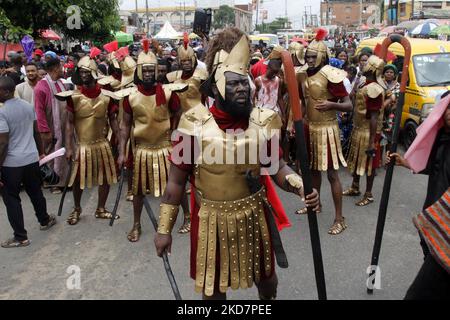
(74, 216)
(336, 190)
(77, 192)
(135, 232)
(103, 191)
(370, 180)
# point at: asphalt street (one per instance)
(113, 268)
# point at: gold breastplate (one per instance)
(192, 96)
(151, 122)
(90, 117)
(217, 181)
(360, 120)
(316, 91)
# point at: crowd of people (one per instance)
(118, 108)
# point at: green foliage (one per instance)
(99, 18)
(272, 27)
(224, 17)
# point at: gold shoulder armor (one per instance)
(334, 75)
(62, 96)
(374, 90)
(202, 74)
(125, 92)
(176, 87)
(110, 94)
(105, 80)
(193, 119)
(266, 119)
(172, 76)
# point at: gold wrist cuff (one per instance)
(167, 216)
(294, 181)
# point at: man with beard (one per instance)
(147, 111)
(324, 94)
(88, 109)
(365, 150)
(25, 90)
(194, 77)
(231, 243)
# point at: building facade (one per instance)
(349, 13)
(423, 9)
(180, 17)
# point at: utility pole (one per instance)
(257, 14)
(146, 13)
(360, 12)
(184, 15)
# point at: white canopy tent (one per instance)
(167, 32)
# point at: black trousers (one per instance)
(431, 283)
(12, 178)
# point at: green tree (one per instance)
(274, 26)
(99, 18)
(224, 17)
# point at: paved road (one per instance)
(113, 268)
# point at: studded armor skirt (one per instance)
(151, 169)
(94, 165)
(233, 245)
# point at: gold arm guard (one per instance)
(294, 182)
(167, 216)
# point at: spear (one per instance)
(390, 169)
(302, 156)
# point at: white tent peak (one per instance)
(167, 32)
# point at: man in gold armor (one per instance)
(324, 94)
(189, 74)
(147, 111)
(365, 151)
(231, 242)
(89, 108)
(113, 81)
(193, 77)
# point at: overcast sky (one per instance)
(276, 8)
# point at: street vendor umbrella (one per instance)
(193, 36)
(27, 43)
(441, 30)
(423, 29)
(50, 35)
(388, 30)
(123, 38)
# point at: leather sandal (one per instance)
(305, 210)
(186, 227)
(135, 233)
(102, 213)
(74, 216)
(352, 192)
(129, 196)
(337, 227)
(367, 199)
(13, 243)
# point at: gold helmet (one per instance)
(127, 66)
(146, 57)
(376, 65)
(319, 46)
(219, 58)
(185, 52)
(236, 61)
(87, 63)
(297, 50)
(276, 53)
(111, 48)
